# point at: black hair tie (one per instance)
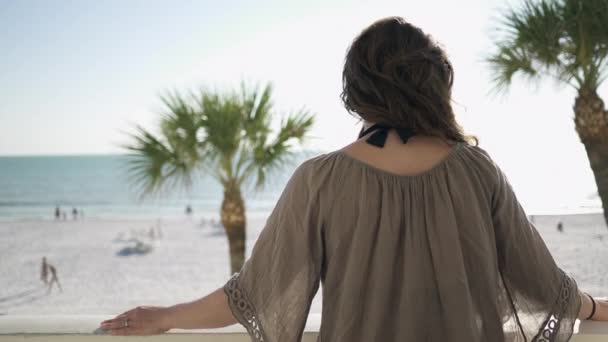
(593, 308)
(378, 138)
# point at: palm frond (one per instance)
(180, 125)
(537, 28)
(268, 156)
(257, 111)
(153, 164)
(172, 158)
(222, 121)
(564, 39)
(587, 34)
(508, 61)
(257, 107)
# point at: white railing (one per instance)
(85, 328)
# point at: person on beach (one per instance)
(413, 230)
(44, 272)
(54, 279)
(75, 213)
(188, 210)
(57, 213)
(560, 227)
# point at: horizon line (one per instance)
(101, 154)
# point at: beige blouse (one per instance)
(447, 255)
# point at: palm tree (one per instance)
(566, 40)
(225, 135)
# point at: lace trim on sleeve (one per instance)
(243, 309)
(551, 326)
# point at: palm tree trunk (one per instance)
(591, 121)
(233, 220)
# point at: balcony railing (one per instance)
(85, 328)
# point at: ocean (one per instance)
(99, 187)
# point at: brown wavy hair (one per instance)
(395, 74)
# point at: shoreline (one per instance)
(255, 215)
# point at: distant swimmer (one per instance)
(44, 272)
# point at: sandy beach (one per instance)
(102, 272)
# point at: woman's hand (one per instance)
(143, 320)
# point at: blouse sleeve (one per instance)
(544, 300)
(272, 293)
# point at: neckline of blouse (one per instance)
(433, 169)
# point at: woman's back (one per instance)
(407, 240)
(446, 254)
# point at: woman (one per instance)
(414, 232)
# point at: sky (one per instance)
(76, 75)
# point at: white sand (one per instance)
(190, 261)
(581, 250)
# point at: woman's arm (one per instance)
(211, 311)
(586, 306)
(601, 308)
